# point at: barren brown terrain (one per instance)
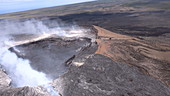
(153, 58)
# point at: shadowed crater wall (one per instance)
(49, 55)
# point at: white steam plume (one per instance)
(35, 27)
(19, 69)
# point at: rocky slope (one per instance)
(130, 55)
(152, 58)
(116, 72)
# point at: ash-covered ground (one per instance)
(101, 48)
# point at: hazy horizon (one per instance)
(23, 5)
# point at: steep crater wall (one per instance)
(49, 55)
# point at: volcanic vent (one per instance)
(39, 57)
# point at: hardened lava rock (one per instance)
(100, 76)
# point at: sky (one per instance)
(8, 6)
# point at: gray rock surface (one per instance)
(49, 55)
(88, 74)
(100, 76)
(4, 80)
(25, 91)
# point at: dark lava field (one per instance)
(98, 48)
